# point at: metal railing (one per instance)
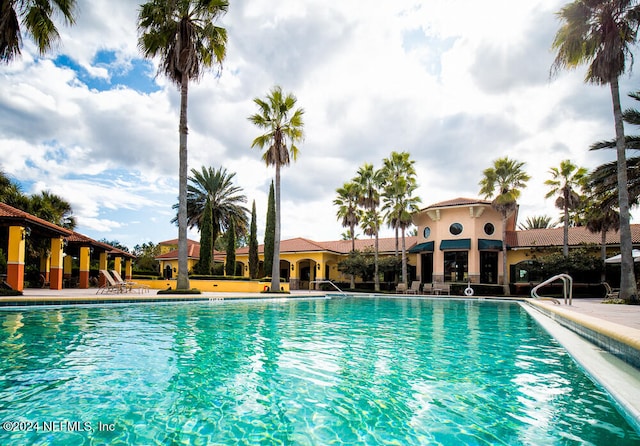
(567, 288)
(328, 281)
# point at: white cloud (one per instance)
(457, 84)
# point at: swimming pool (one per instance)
(339, 371)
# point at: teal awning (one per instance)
(421, 247)
(463, 243)
(486, 244)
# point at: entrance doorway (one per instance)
(426, 267)
(488, 267)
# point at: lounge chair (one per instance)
(110, 285)
(440, 288)
(415, 288)
(128, 284)
(401, 288)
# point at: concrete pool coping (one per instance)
(619, 378)
(596, 335)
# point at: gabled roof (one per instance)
(76, 240)
(555, 237)
(300, 244)
(11, 215)
(460, 201)
(175, 242)
(193, 252)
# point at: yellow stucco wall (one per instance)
(227, 286)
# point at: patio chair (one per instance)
(401, 288)
(129, 285)
(110, 285)
(610, 293)
(415, 288)
(441, 288)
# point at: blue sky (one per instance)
(457, 84)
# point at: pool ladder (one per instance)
(329, 281)
(567, 288)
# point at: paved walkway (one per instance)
(628, 315)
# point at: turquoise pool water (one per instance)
(303, 372)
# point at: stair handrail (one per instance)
(331, 282)
(567, 287)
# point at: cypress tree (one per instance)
(230, 267)
(205, 264)
(270, 232)
(254, 262)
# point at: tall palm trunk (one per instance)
(505, 279)
(628, 288)
(376, 277)
(275, 268)
(353, 248)
(603, 253)
(404, 259)
(565, 238)
(183, 273)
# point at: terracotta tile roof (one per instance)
(460, 201)
(300, 244)
(555, 237)
(175, 242)
(9, 213)
(193, 252)
(82, 240)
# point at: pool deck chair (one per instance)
(415, 288)
(129, 285)
(401, 288)
(110, 285)
(440, 288)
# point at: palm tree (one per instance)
(400, 204)
(536, 222)
(348, 212)
(603, 180)
(566, 181)
(504, 181)
(182, 33)
(284, 127)
(35, 16)
(398, 166)
(52, 208)
(226, 201)
(369, 183)
(602, 219)
(600, 33)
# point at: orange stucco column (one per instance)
(128, 269)
(15, 258)
(56, 258)
(85, 260)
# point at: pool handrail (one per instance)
(567, 283)
(329, 281)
